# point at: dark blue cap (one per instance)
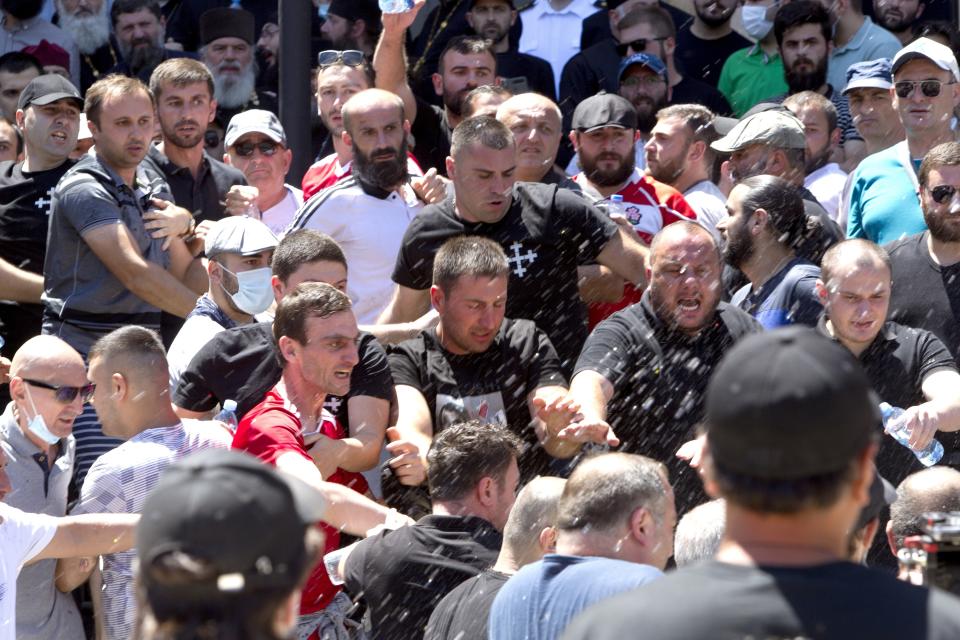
(869, 74)
(650, 61)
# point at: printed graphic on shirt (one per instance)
(486, 407)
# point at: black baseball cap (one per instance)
(233, 512)
(604, 110)
(46, 89)
(789, 404)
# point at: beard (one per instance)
(90, 32)
(895, 21)
(184, 142)
(647, 108)
(940, 229)
(799, 81)
(492, 31)
(668, 171)
(815, 161)
(22, 9)
(233, 90)
(607, 177)
(142, 53)
(385, 174)
(739, 247)
(454, 100)
(713, 20)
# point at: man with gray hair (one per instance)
(88, 22)
(530, 533)
(699, 533)
(615, 526)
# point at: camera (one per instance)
(933, 558)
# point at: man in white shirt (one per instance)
(551, 30)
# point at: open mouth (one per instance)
(688, 306)
(59, 136)
(342, 374)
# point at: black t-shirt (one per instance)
(25, 199)
(463, 614)
(523, 73)
(403, 574)
(703, 59)
(720, 601)
(491, 386)
(431, 137)
(925, 295)
(243, 363)
(547, 233)
(692, 91)
(204, 196)
(659, 376)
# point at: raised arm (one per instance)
(390, 57)
(406, 305)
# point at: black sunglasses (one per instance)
(245, 149)
(64, 393)
(930, 88)
(350, 57)
(943, 193)
(637, 45)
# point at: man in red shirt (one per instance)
(317, 334)
(604, 134)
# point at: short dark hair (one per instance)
(308, 300)
(16, 132)
(365, 67)
(867, 253)
(301, 247)
(466, 45)
(483, 130)
(468, 256)
(938, 28)
(783, 203)
(464, 453)
(806, 99)
(763, 495)
(18, 62)
(656, 16)
(133, 6)
(132, 350)
(466, 109)
(604, 491)
(799, 13)
(942, 155)
(114, 84)
(180, 72)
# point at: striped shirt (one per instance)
(118, 482)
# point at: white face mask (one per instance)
(755, 21)
(37, 425)
(255, 295)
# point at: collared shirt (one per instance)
(202, 196)
(554, 35)
(39, 486)
(787, 297)
(31, 32)
(826, 184)
(368, 224)
(870, 42)
(749, 76)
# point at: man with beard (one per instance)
(825, 179)
(353, 25)
(765, 223)
(88, 22)
(368, 212)
(228, 36)
(679, 154)
(465, 64)
(644, 370)
(899, 17)
(22, 26)
(519, 72)
(754, 72)
(605, 136)
(643, 82)
(926, 266)
(802, 29)
(705, 43)
(139, 28)
(855, 38)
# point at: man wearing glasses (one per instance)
(48, 384)
(884, 202)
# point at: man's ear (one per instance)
(288, 348)
(437, 81)
(487, 491)
(821, 288)
(548, 539)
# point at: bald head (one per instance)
(370, 101)
(535, 123)
(933, 489)
(699, 533)
(527, 103)
(534, 510)
(852, 255)
(44, 356)
(678, 232)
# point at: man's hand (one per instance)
(167, 220)
(563, 420)
(921, 422)
(398, 23)
(692, 451)
(4, 370)
(590, 430)
(431, 187)
(241, 200)
(406, 463)
(325, 452)
(200, 233)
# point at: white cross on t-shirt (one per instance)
(518, 259)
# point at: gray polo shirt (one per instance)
(39, 487)
(82, 299)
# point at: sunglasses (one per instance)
(943, 193)
(64, 393)
(350, 57)
(636, 45)
(930, 88)
(245, 149)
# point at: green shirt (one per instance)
(749, 76)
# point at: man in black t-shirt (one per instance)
(476, 364)
(644, 370)
(546, 233)
(49, 116)
(791, 430)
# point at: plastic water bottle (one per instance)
(228, 415)
(395, 6)
(891, 422)
(615, 206)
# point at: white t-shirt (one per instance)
(279, 216)
(709, 203)
(826, 184)
(22, 536)
(197, 331)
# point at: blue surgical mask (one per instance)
(755, 21)
(37, 425)
(255, 293)
(322, 9)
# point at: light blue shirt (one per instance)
(884, 205)
(870, 42)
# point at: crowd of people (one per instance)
(633, 320)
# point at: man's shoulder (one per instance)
(907, 247)
(87, 174)
(225, 171)
(737, 321)
(880, 162)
